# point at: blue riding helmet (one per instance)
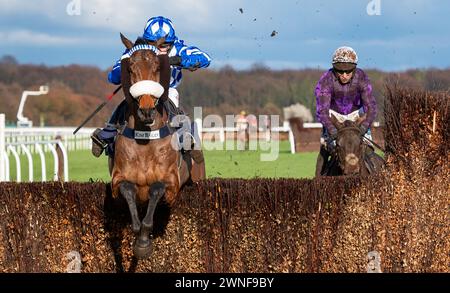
(159, 27)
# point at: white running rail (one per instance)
(15, 142)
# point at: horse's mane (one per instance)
(349, 123)
(140, 41)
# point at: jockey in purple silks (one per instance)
(344, 91)
(180, 57)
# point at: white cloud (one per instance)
(26, 37)
(131, 16)
(48, 8)
(189, 16)
(118, 15)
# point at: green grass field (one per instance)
(84, 167)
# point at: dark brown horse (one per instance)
(147, 168)
(352, 154)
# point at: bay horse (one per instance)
(352, 156)
(147, 168)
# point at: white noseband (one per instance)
(146, 87)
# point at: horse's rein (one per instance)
(138, 100)
(342, 130)
(375, 144)
(348, 128)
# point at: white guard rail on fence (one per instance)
(38, 140)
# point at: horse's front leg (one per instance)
(128, 190)
(143, 243)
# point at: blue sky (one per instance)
(407, 33)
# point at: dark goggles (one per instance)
(166, 45)
(344, 71)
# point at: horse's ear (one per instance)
(160, 41)
(335, 121)
(128, 44)
(361, 119)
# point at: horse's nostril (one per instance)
(144, 112)
(351, 159)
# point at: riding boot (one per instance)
(98, 145)
(190, 142)
(176, 115)
(197, 156)
(117, 117)
(196, 153)
(322, 161)
(370, 158)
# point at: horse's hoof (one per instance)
(142, 252)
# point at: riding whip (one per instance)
(372, 142)
(108, 98)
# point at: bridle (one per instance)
(349, 128)
(340, 132)
(146, 87)
(138, 100)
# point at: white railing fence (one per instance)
(80, 141)
(58, 141)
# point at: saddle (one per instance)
(105, 138)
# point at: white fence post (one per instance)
(65, 161)
(30, 162)
(55, 160)
(6, 161)
(2, 148)
(42, 156)
(17, 158)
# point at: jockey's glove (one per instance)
(331, 140)
(363, 129)
(195, 66)
(331, 144)
(175, 60)
(332, 135)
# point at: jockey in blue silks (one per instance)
(180, 57)
(345, 92)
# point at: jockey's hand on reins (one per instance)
(195, 66)
(363, 129)
(332, 136)
(175, 60)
